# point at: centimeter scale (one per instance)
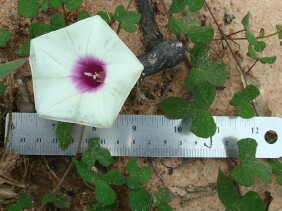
(148, 136)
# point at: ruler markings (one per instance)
(153, 135)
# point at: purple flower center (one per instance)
(88, 74)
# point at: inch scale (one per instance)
(147, 136)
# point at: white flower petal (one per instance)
(80, 34)
(82, 73)
(65, 111)
(106, 45)
(87, 113)
(93, 110)
(121, 76)
(47, 95)
(54, 48)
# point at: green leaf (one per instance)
(214, 73)
(8, 67)
(279, 27)
(242, 101)
(96, 206)
(175, 108)
(114, 177)
(198, 34)
(73, 4)
(139, 199)
(89, 158)
(195, 5)
(25, 200)
(179, 5)
(251, 52)
(24, 49)
(44, 4)
(59, 201)
(264, 60)
(104, 193)
(85, 173)
(94, 143)
(260, 46)
(204, 95)
(38, 29)
(14, 207)
(262, 32)
(246, 110)
(127, 19)
(163, 197)
(200, 54)
(280, 35)
(231, 199)
(56, 3)
(251, 37)
(138, 176)
(250, 92)
(164, 207)
(250, 168)
(189, 25)
(2, 88)
(4, 37)
(83, 15)
(277, 170)
(195, 77)
(177, 26)
(203, 124)
(267, 60)
(107, 16)
(57, 21)
(102, 155)
(256, 46)
(28, 8)
(245, 21)
(63, 134)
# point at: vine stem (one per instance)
(65, 14)
(241, 70)
(70, 165)
(243, 38)
(249, 70)
(229, 35)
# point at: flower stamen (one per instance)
(100, 75)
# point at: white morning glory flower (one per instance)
(82, 73)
